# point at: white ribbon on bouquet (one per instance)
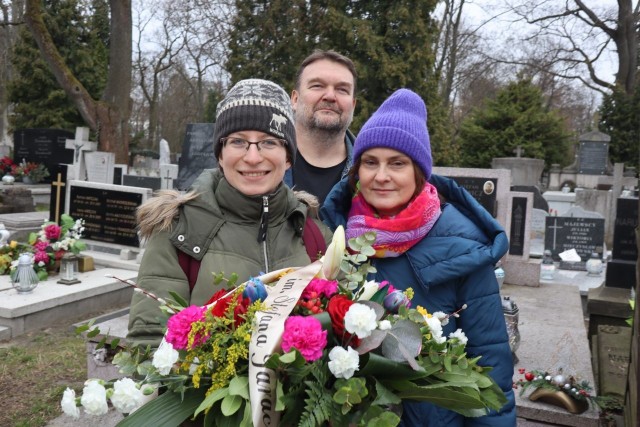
(267, 338)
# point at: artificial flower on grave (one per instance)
(8, 167)
(52, 241)
(34, 172)
(567, 391)
(9, 254)
(302, 346)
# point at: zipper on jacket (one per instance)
(262, 233)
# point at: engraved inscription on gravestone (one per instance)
(624, 235)
(197, 153)
(538, 219)
(518, 223)
(152, 182)
(482, 189)
(109, 215)
(46, 146)
(593, 157)
(585, 235)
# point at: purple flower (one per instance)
(394, 300)
(255, 290)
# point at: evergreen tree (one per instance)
(391, 44)
(620, 119)
(38, 99)
(516, 117)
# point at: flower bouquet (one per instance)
(32, 172)
(52, 241)
(298, 347)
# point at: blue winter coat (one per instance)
(451, 266)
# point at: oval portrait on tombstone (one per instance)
(488, 188)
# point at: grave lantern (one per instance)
(69, 269)
(25, 278)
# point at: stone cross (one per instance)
(80, 143)
(58, 184)
(519, 151)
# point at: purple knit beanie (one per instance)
(401, 124)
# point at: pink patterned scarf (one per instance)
(395, 235)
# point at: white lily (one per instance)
(333, 257)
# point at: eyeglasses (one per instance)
(243, 144)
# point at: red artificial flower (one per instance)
(221, 306)
(337, 308)
(529, 376)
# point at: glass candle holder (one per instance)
(24, 279)
(69, 269)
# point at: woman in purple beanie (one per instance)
(431, 235)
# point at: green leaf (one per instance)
(384, 396)
(246, 419)
(221, 393)
(114, 342)
(168, 409)
(178, 299)
(239, 386)
(367, 251)
(92, 333)
(231, 404)
(447, 362)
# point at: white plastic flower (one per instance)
(68, 403)
(369, 288)
(436, 329)
(384, 325)
(94, 398)
(444, 319)
(164, 358)
(460, 336)
(343, 363)
(333, 255)
(360, 320)
(126, 395)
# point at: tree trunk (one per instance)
(108, 117)
(626, 40)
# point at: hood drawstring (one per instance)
(264, 220)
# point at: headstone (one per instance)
(538, 220)
(46, 146)
(197, 153)
(99, 166)
(150, 182)
(58, 193)
(165, 152)
(585, 235)
(593, 153)
(118, 172)
(614, 348)
(520, 207)
(482, 189)
(580, 212)
(539, 202)
(168, 174)
(108, 210)
(621, 269)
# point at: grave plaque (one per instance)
(593, 157)
(585, 235)
(99, 166)
(482, 189)
(197, 154)
(538, 219)
(46, 146)
(152, 182)
(624, 230)
(109, 215)
(518, 223)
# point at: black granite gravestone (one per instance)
(621, 270)
(518, 223)
(539, 202)
(46, 146)
(152, 182)
(593, 157)
(109, 215)
(197, 154)
(585, 235)
(482, 189)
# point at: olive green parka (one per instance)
(219, 226)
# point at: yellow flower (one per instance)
(423, 311)
(13, 244)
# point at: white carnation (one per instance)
(343, 363)
(384, 325)
(126, 395)
(360, 320)
(164, 358)
(444, 319)
(68, 403)
(436, 329)
(94, 398)
(460, 336)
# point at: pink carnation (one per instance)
(320, 287)
(305, 334)
(389, 286)
(179, 326)
(52, 231)
(39, 245)
(41, 256)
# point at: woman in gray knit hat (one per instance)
(239, 218)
